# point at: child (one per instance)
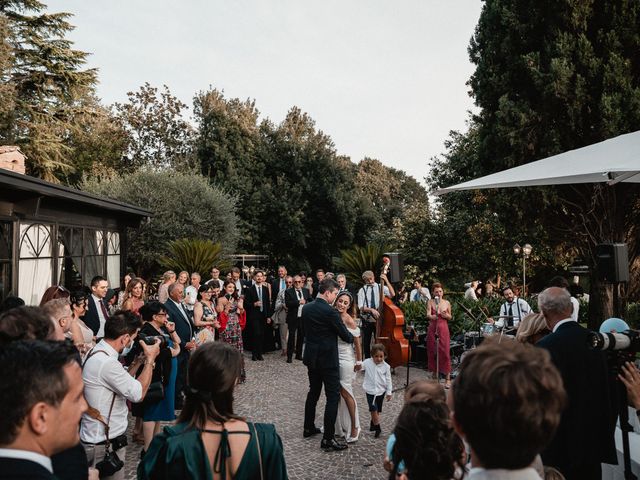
(377, 382)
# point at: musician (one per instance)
(512, 311)
(438, 349)
(369, 306)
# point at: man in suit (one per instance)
(184, 328)
(322, 327)
(97, 312)
(585, 438)
(279, 283)
(294, 299)
(257, 303)
(41, 387)
(506, 404)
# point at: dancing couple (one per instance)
(330, 360)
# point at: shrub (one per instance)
(184, 205)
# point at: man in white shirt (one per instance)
(368, 305)
(512, 311)
(419, 293)
(215, 277)
(506, 403)
(470, 292)
(97, 312)
(191, 292)
(107, 387)
(42, 401)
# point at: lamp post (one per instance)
(525, 251)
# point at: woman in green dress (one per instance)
(210, 441)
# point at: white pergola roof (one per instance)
(612, 161)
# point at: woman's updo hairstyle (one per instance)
(425, 440)
(214, 369)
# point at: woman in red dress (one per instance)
(439, 315)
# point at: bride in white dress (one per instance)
(350, 359)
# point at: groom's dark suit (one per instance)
(322, 326)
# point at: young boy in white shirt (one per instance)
(377, 383)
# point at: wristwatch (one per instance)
(153, 364)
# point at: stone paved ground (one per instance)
(275, 393)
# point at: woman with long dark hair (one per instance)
(209, 440)
(133, 298)
(232, 318)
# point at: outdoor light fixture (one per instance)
(525, 251)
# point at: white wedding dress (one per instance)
(347, 361)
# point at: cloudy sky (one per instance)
(384, 79)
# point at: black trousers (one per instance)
(330, 377)
(181, 377)
(368, 330)
(258, 326)
(296, 337)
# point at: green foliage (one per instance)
(298, 198)
(158, 135)
(194, 255)
(354, 261)
(46, 80)
(183, 205)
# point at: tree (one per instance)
(159, 136)
(184, 205)
(551, 77)
(47, 79)
(7, 89)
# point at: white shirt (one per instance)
(519, 308)
(103, 320)
(190, 297)
(576, 309)
(566, 320)
(470, 294)
(103, 375)
(377, 377)
(419, 296)
(364, 296)
(27, 455)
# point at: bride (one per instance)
(347, 421)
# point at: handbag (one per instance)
(155, 392)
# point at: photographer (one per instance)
(107, 387)
(158, 406)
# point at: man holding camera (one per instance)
(107, 387)
(585, 437)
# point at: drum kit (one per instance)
(482, 329)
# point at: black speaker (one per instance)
(396, 268)
(612, 262)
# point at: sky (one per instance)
(383, 79)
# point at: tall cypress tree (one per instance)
(48, 82)
(550, 77)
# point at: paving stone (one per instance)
(275, 392)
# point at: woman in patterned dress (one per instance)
(232, 318)
(205, 314)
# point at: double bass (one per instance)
(389, 327)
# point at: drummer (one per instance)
(512, 311)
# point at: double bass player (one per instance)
(369, 306)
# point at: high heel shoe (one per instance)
(351, 439)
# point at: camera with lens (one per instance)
(110, 465)
(629, 341)
(151, 339)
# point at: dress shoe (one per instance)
(377, 430)
(289, 360)
(261, 358)
(254, 358)
(332, 445)
(298, 357)
(309, 432)
(372, 427)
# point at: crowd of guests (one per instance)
(74, 369)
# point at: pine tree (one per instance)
(47, 78)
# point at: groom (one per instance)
(322, 326)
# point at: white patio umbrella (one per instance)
(612, 161)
